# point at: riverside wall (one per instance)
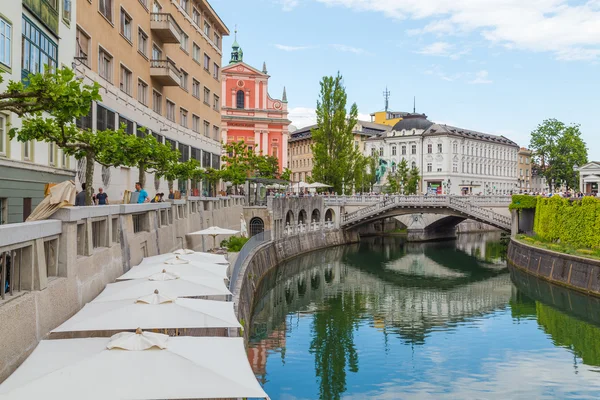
(579, 273)
(66, 261)
(270, 254)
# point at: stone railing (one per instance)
(294, 229)
(498, 200)
(452, 203)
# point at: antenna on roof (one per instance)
(387, 95)
(414, 104)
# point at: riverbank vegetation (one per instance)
(537, 241)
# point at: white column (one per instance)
(265, 143)
(247, 103)
(233, 105)
(284, 150)
(256, 94)
(264, 94)
(257, 144)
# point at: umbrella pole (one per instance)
(214, 242)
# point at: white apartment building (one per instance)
(450, 160)
(32, 34)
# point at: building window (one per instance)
(156, 7)
(429, 148)
(206, 129)
(206, 62)
(5, 42)
(216, 102)
(215, 71)
(429, 167)
(184, 80)
(105, 64)
(83, 47)
(196, 52)
(440, 148)
(156, 102)
(439, 169)
(403, 150)
(126, 25)
(455, 148)
(413, 165)
(105, 8)
(85, 121)
(142, 42)
(239, 99)
(27, 151)
(3, 135)
(414, 149)
(156, 52)
(185, 4)
(196, 123)
(381, 152)
(183, 117)
(51, 153)
(393, 149)
(126, 125)
(207, 95)
(195, 88)
(206, 28)
(170, 111)
(105, 118)
(142, 92)
(454, 168)
(38, 49)
(183, 43)
(196, 16)
(126, 77)
(216, 133)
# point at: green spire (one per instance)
(237, 55)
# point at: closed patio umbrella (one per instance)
(135, 366)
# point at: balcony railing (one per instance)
(164, 26)
(165, 72)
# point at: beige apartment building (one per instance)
(524, 169)
(158, 63)
(300, 156)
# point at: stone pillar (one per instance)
(233, 105)
(265, 143)
(514, 227)
(257, 144)
(284, 150)
(256, 94)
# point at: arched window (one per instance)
(257, 226)
(240, 99)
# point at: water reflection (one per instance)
(387, 319)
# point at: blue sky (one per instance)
(497, 66)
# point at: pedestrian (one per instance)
(80, 197)
(101, 197)
(143, 195)
(171, 194)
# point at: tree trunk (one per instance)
(142, 175)
(89, 178)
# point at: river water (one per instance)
(385, 319)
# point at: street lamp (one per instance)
(343, 187)
(575, 168)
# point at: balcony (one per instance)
(163, 25)
(46, 11)
(165, 72)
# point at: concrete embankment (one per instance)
(574, 272)
(271, 254)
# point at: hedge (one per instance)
(520, 201)
(576, 223)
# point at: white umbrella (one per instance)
(152, 312)
(190, 286)
(188, 368)
(204, 270)
(317, 185)
(215, 231)
(197, 256)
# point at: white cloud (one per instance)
(348, 49)
(443, 49)
(288, 5)
(292, 48)
(481, 78)
(567, 28)
(437, 71)
(305, 116)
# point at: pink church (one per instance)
(248, 113)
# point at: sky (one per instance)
(495, 66)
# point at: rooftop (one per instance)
(368, 129)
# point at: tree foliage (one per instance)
(237, 163)
(414, 178)
(149, 155)
(398, 180)
(557, 148)
(333, 149)
(286, 175)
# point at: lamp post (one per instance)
(449, 186)
(575, 168)
(343, 187)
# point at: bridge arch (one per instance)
(302, 217)
(315, 216)
(289, 218)
(329, 215)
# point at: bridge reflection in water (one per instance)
(387, 319)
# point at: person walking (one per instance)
(80, 197)
(101, 197)
(143, 195)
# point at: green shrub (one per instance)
(574, 223)
(521, 201)
(234, 243)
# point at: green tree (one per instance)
(265, 166)
(557, 148)
(237, 163)
(54, 121)
(176, 170)
(286, 175)
(149, 155)
(414, 178)
(403, 172)
(332, 146)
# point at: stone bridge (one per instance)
(450, 211)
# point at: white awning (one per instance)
(189, 368)
(168, 314)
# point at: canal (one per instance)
(385, 319)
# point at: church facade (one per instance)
(249, 113)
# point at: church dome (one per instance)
(413, 121)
